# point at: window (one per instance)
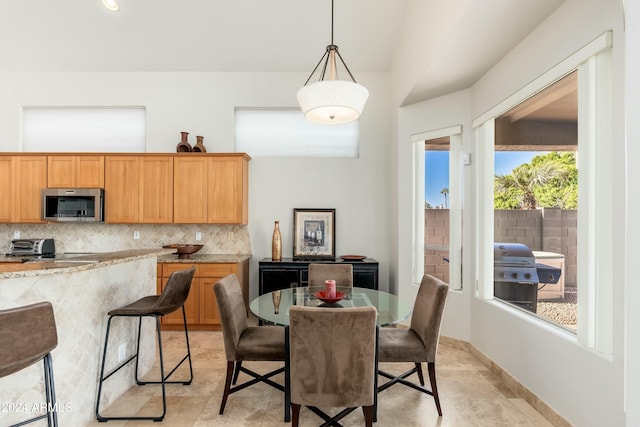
(438, 213)
(286, 133)
(83, 129)
(536, 203)
(591, 67)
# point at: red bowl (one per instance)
(324, 296)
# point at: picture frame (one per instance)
(314, 234)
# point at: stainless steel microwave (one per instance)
(73, 204)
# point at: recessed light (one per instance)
(112, 5)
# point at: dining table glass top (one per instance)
(273, 307)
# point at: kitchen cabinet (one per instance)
(228, 190)
(190, 190)
(211, 189)
(75, 171)
(138, 189)
(7, 188)
(23, 178)
(182, 188)
(156, 190)
(274, 275)
(201, 306)
(31, 178)
(121, 185)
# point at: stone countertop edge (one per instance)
(86, 262)
(204, 258)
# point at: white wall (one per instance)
(632, 290)
(583, 386)
(203, 104)
(438, 113)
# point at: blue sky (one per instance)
(436, 167)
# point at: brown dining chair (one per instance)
(419, 343)
(332, 360)
(243, 342)
(172, 299)
(341, 273)
(28, 335)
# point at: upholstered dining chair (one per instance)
(28, 335)
(419, 343)
(173, 297)
(341, 273)
(243, 342)
(332, 360)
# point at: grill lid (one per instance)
(513, 255)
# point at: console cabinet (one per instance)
(274, 275)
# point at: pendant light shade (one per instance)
(331, 100)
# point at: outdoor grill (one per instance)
(516, 275)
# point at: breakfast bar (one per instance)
(82, 290)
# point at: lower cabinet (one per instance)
(201, 306)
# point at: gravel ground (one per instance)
(562, 311)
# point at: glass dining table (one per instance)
(273, 308)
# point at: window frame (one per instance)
(595, 299)
(455, 203)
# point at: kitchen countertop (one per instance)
(205, 258)
(42, 267)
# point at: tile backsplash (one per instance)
(101, 237)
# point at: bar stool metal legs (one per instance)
(163, 379)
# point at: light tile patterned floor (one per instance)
(470, 395)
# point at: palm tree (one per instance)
(525, 178)
(445, 192)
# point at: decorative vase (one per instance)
(183, 145)
(276, 243)
(199, 147)
(276, 296)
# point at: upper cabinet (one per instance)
(7, 188)
(75, 171)
(211, 190)
(154, 188)
(228, 190)
(121, 188)
(190, 189)
(21, 180)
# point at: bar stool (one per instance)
(172, 298)
(28, 334)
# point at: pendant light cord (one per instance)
(331, 21)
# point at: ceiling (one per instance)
(452, 42)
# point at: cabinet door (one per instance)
(209, 313)
(190, 190)
(75, 171)
(228, 190)
(30, 179)
(61, 172)
(89, 171)
(7, 188)
(121, 189)
(156, 189)
(191, 306)
(209, 275)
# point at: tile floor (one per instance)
(470, 394)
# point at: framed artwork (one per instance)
(314, 234)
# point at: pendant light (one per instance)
(331, 100)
